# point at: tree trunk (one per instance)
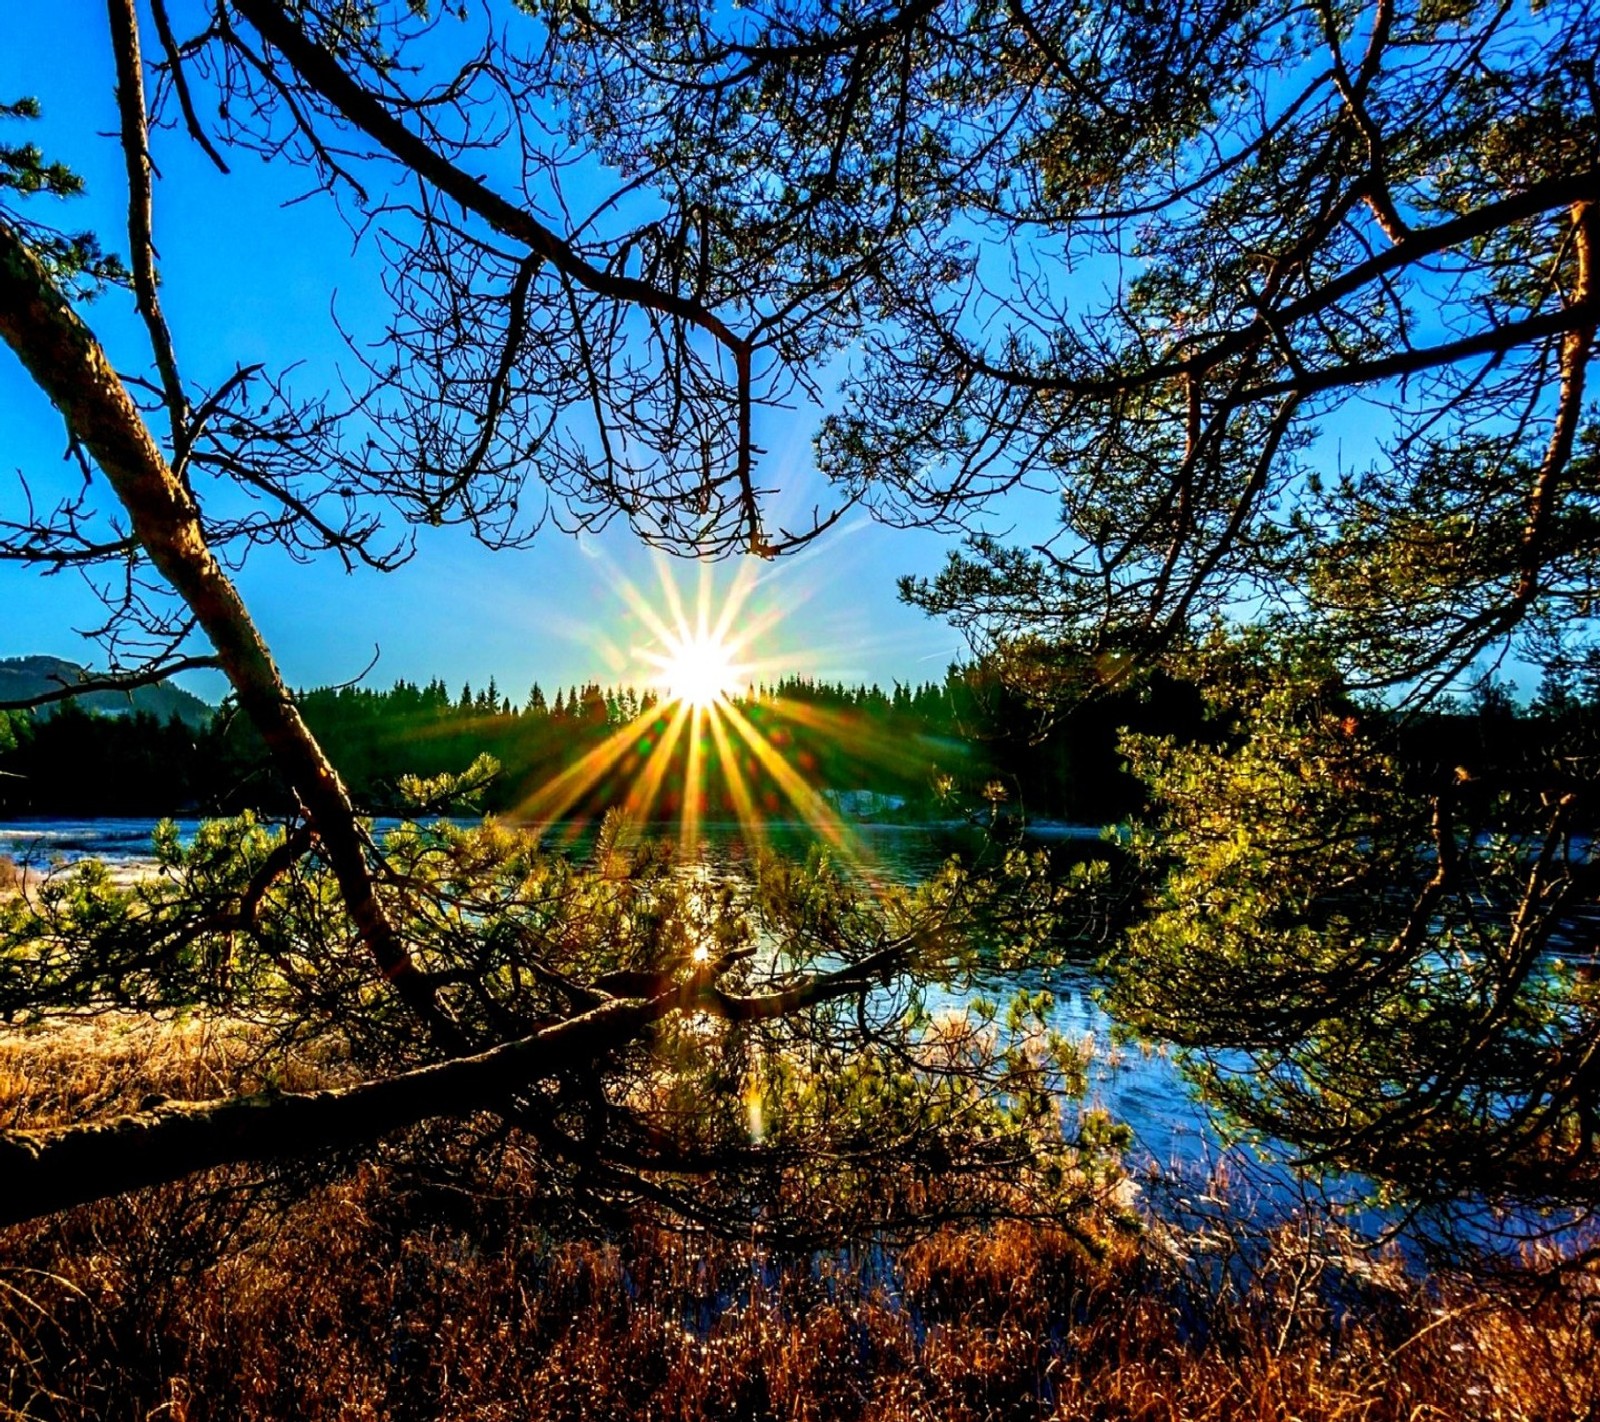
(48, 1170)
(69, 365)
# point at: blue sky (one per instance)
(247, 278)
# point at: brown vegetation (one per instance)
(381, 1293)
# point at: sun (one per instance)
(698, 669)
(709, 739)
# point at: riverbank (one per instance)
(23, 879)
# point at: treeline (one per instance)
(967, 745)
(962, 745)
(835, 737)
(76, 762)
(927, 748)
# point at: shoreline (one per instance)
(21, 880)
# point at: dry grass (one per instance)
(363, 1299)
(102, 1064)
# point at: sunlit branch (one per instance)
(52, 1169)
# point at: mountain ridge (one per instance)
(24, 677)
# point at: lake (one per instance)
(1140, 1088)
(1177, 1147)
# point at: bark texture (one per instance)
(44, 1171)
(70, 366)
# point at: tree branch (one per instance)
(358, 105)
(180, 83)
(113, 681)
(69, 365)
(44, 1171)
(141, 246)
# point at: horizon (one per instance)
(735, 691)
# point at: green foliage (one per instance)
(443, 794)
(24, 170)
(896, 1096)
(1365, 968)
(75, 261)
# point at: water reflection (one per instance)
(1178, 1146)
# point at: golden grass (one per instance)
(105, 1063)
(366, 1299)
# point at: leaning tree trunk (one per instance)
(44, 1171)
(71, 367)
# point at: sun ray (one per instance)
(555, 797)
(690, 803)
(744, 807)
(902, 754)
(645, 790)
(813, 808)
(697, 752)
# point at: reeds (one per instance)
(365, 1296)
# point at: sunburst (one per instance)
(700, 669)
(699, 661)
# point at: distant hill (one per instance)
(22, 677)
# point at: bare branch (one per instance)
(141, 247)
(68, 363)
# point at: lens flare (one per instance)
(699, 670)
(704, 727)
